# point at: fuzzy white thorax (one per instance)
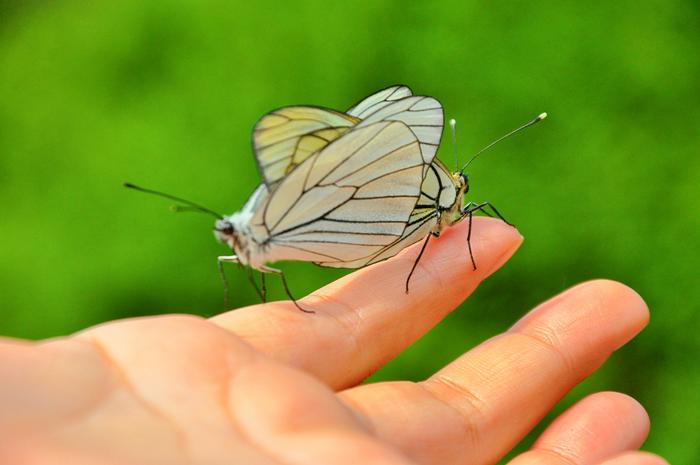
(236, 231)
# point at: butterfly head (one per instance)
(225, 232)
(461, 183)
(234, 231)
(464, 183)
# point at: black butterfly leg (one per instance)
(471, 206)
(469, 238)
(420, 254)
(468, 211)
(220, 265)
(251, 279)
(249, 275)
(267, 269)
(263, 287)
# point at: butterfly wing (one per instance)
(438, 192)
(285, 137)
(422, 114)
(347, 201)
(379, 100)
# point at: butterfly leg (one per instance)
(468, 211)
(420, 254)
(473, 207)
(263, 287)
(267, 269)
(220, 265)
(251, 279)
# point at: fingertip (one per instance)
(636, 458)
(493, 242)
(622, 293)
(630, 406)
(597, 427)
(624, 302)
(621, 410)
(616, 308)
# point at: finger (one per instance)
(479, 406)
(596, 428)
(635, 458)
(366, 318)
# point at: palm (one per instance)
(272, 385)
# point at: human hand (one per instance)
(269, 384)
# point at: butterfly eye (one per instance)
(224, 227)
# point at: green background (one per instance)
(165, 94)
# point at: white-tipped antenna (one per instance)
(539, 118)
(453, 125)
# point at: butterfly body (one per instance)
(236, 231)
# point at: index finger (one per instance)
(365, 319)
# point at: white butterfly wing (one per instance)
(438, 191)
(422, 114)
(378, 100)
(346, 202)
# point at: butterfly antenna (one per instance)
(539, 118)
(188, 205)
(453, 125)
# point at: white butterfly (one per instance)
(338, 188)
(441, 205)
(285, 138)
(348, 189)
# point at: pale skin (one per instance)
(269, 384)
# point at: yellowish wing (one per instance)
(285, 137)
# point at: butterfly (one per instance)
(441, 205)
(337, 188)
(349, 189)
(286, 137)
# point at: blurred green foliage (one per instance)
(165, 94)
